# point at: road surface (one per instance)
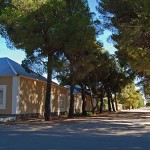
(119, 131)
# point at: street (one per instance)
(118, 131)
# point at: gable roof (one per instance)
(9, 67)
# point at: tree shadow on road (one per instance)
(119, 132)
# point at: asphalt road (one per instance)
(121, 131)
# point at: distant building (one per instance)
(78, 99)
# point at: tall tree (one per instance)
(130, 97)
(129, 21)
(81, 35)
(46, 27)
(35, 26)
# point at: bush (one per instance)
(77, 115)
(89, 113)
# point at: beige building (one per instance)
(24, 93)
(78, 99)
(78, 103)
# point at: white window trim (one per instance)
(15, 95)
(61, 102)
(3, 88)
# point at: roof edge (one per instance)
(14, 71)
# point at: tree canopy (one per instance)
(61, 36)
(46, 28)
(129, 20)
(130, 97)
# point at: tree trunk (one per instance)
(116, 102)
(47, 113)
(109, 104)
(91, 100)
(71, 109)
(101, 104)
(112, 103)
(108, 97)
(84, 112)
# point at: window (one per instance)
(2, 96)
(61, 101)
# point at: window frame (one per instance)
(3, 89)
(61, 102)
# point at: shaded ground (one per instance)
(117, 131)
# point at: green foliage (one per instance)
(129, 21)
(28, 24)
(89, 113)
(35, 63)
(48, 27)
(77, 115)
(80, 45)
(130, 98)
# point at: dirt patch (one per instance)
(106, 115)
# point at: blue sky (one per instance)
(18, 55)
